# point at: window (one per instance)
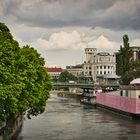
(90, 72)
(100, 67)
(126, 93)
(97, 72)
(121, 93)
(100, 72)
(104, 72)
(108, 67)
(104, 67)
(97, 67)
(90, 68)
(108, 72)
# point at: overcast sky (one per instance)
(61, 29)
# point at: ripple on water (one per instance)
(68, 120)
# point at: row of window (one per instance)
(91, 50)
(105, 67)
(100, 72)
(100, 60)
(100, 67)
(104, 72)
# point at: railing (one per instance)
(81, 85)
(130, 87)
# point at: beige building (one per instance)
(75, 70)
(98, 65)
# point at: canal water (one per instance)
(66, 119)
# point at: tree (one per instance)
(24, 83)
(134, 71)
(124, 61)
(66, 76)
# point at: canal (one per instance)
(68, 120)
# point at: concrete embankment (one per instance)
(68, 94)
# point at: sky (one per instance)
(60, 30)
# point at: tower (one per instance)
(90, 52)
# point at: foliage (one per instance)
(134, 71)
(24, 84)
(66, 76)
(126, 67)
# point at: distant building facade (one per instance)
(54, 72)
(136, 52)
(76, 70)
(99, 65)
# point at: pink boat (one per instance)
(125, 101)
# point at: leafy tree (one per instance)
(124, 61)
(24, 83)
(66, 76)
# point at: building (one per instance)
(54, 73)
(99, 65)
(136, 52)
(75, 70)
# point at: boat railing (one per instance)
(130, 87)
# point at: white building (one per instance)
(98, 65)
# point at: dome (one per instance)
(135, 81)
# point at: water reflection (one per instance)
(68, 120)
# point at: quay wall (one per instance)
(126, 104)
(69, 95)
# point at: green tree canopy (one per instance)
(66, 76)
(24, 83)
(124, 60)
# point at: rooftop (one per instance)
(103, 53)
(54, 69)
(135, 81)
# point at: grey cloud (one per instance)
(113, 14)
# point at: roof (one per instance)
(91, 48)
(75, 67)
(111, 76)
(103, 53)
(135, 81)
(135, 47)
(55, 69)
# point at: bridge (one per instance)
(80, 85)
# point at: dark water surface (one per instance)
(68, 120)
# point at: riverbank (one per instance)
(69, 120)
(68, 94)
